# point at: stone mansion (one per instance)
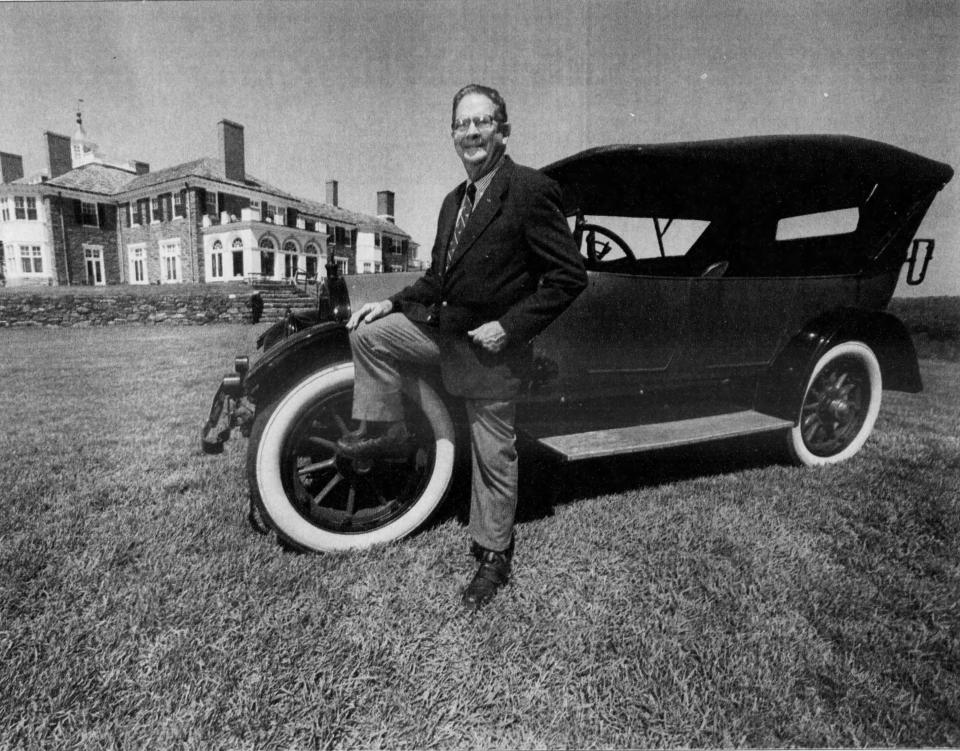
(91, 221)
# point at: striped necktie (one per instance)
(465, 208)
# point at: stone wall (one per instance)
(122, 309)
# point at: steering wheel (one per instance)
(597, 243)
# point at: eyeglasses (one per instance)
(483, 123)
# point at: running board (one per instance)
(637, 438)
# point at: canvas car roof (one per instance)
(704, 179)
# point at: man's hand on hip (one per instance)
(490, 336)
(370, 311)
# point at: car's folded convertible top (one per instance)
(704, 179)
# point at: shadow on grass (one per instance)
(546, 482)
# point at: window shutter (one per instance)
(77, 212)
(102, 216)
(292, 217)
(353, 238)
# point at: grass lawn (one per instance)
(710, 597)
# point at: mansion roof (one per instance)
(117, 183)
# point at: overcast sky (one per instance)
(360, 91)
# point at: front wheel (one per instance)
(839, 408)
(318, 500)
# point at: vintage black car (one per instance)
(735, 287)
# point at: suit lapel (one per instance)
(448, 219)
(485, 210)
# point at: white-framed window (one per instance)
(178, 209)
(88, 214)
(343, 264)
(156, 213)
(236, 250)
(396, 267)
(4, 210)
(31, 259)
(31, 208)
(376, 239)
(141, 212)
(170, 271)
(19, 207)
(367, 267)
(138, 264)
(344, 236)
(377, 267)
(93, 265)
(216, 260)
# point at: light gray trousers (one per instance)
(380, 349)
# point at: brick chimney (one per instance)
(332, 192)
(385, 205)
(11, 167)
(231, 150)
(140, 168)
(59, 159)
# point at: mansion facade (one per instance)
(90, 221)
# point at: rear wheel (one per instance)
(839, 408)
(316, 499)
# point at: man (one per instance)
(504, 265)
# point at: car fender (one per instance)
(780, 391)
(288, 361)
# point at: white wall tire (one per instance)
(841, 401)
(317, 500)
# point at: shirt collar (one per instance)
(484, 182)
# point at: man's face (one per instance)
(479, 150)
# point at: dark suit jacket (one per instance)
(516, 263)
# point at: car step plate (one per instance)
(596, 443)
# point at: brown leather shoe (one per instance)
(494, 573)
(393, 442)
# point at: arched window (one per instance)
(238, 244)
(311, 249)
(217, 245)
(290, 247)
(267, 243)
